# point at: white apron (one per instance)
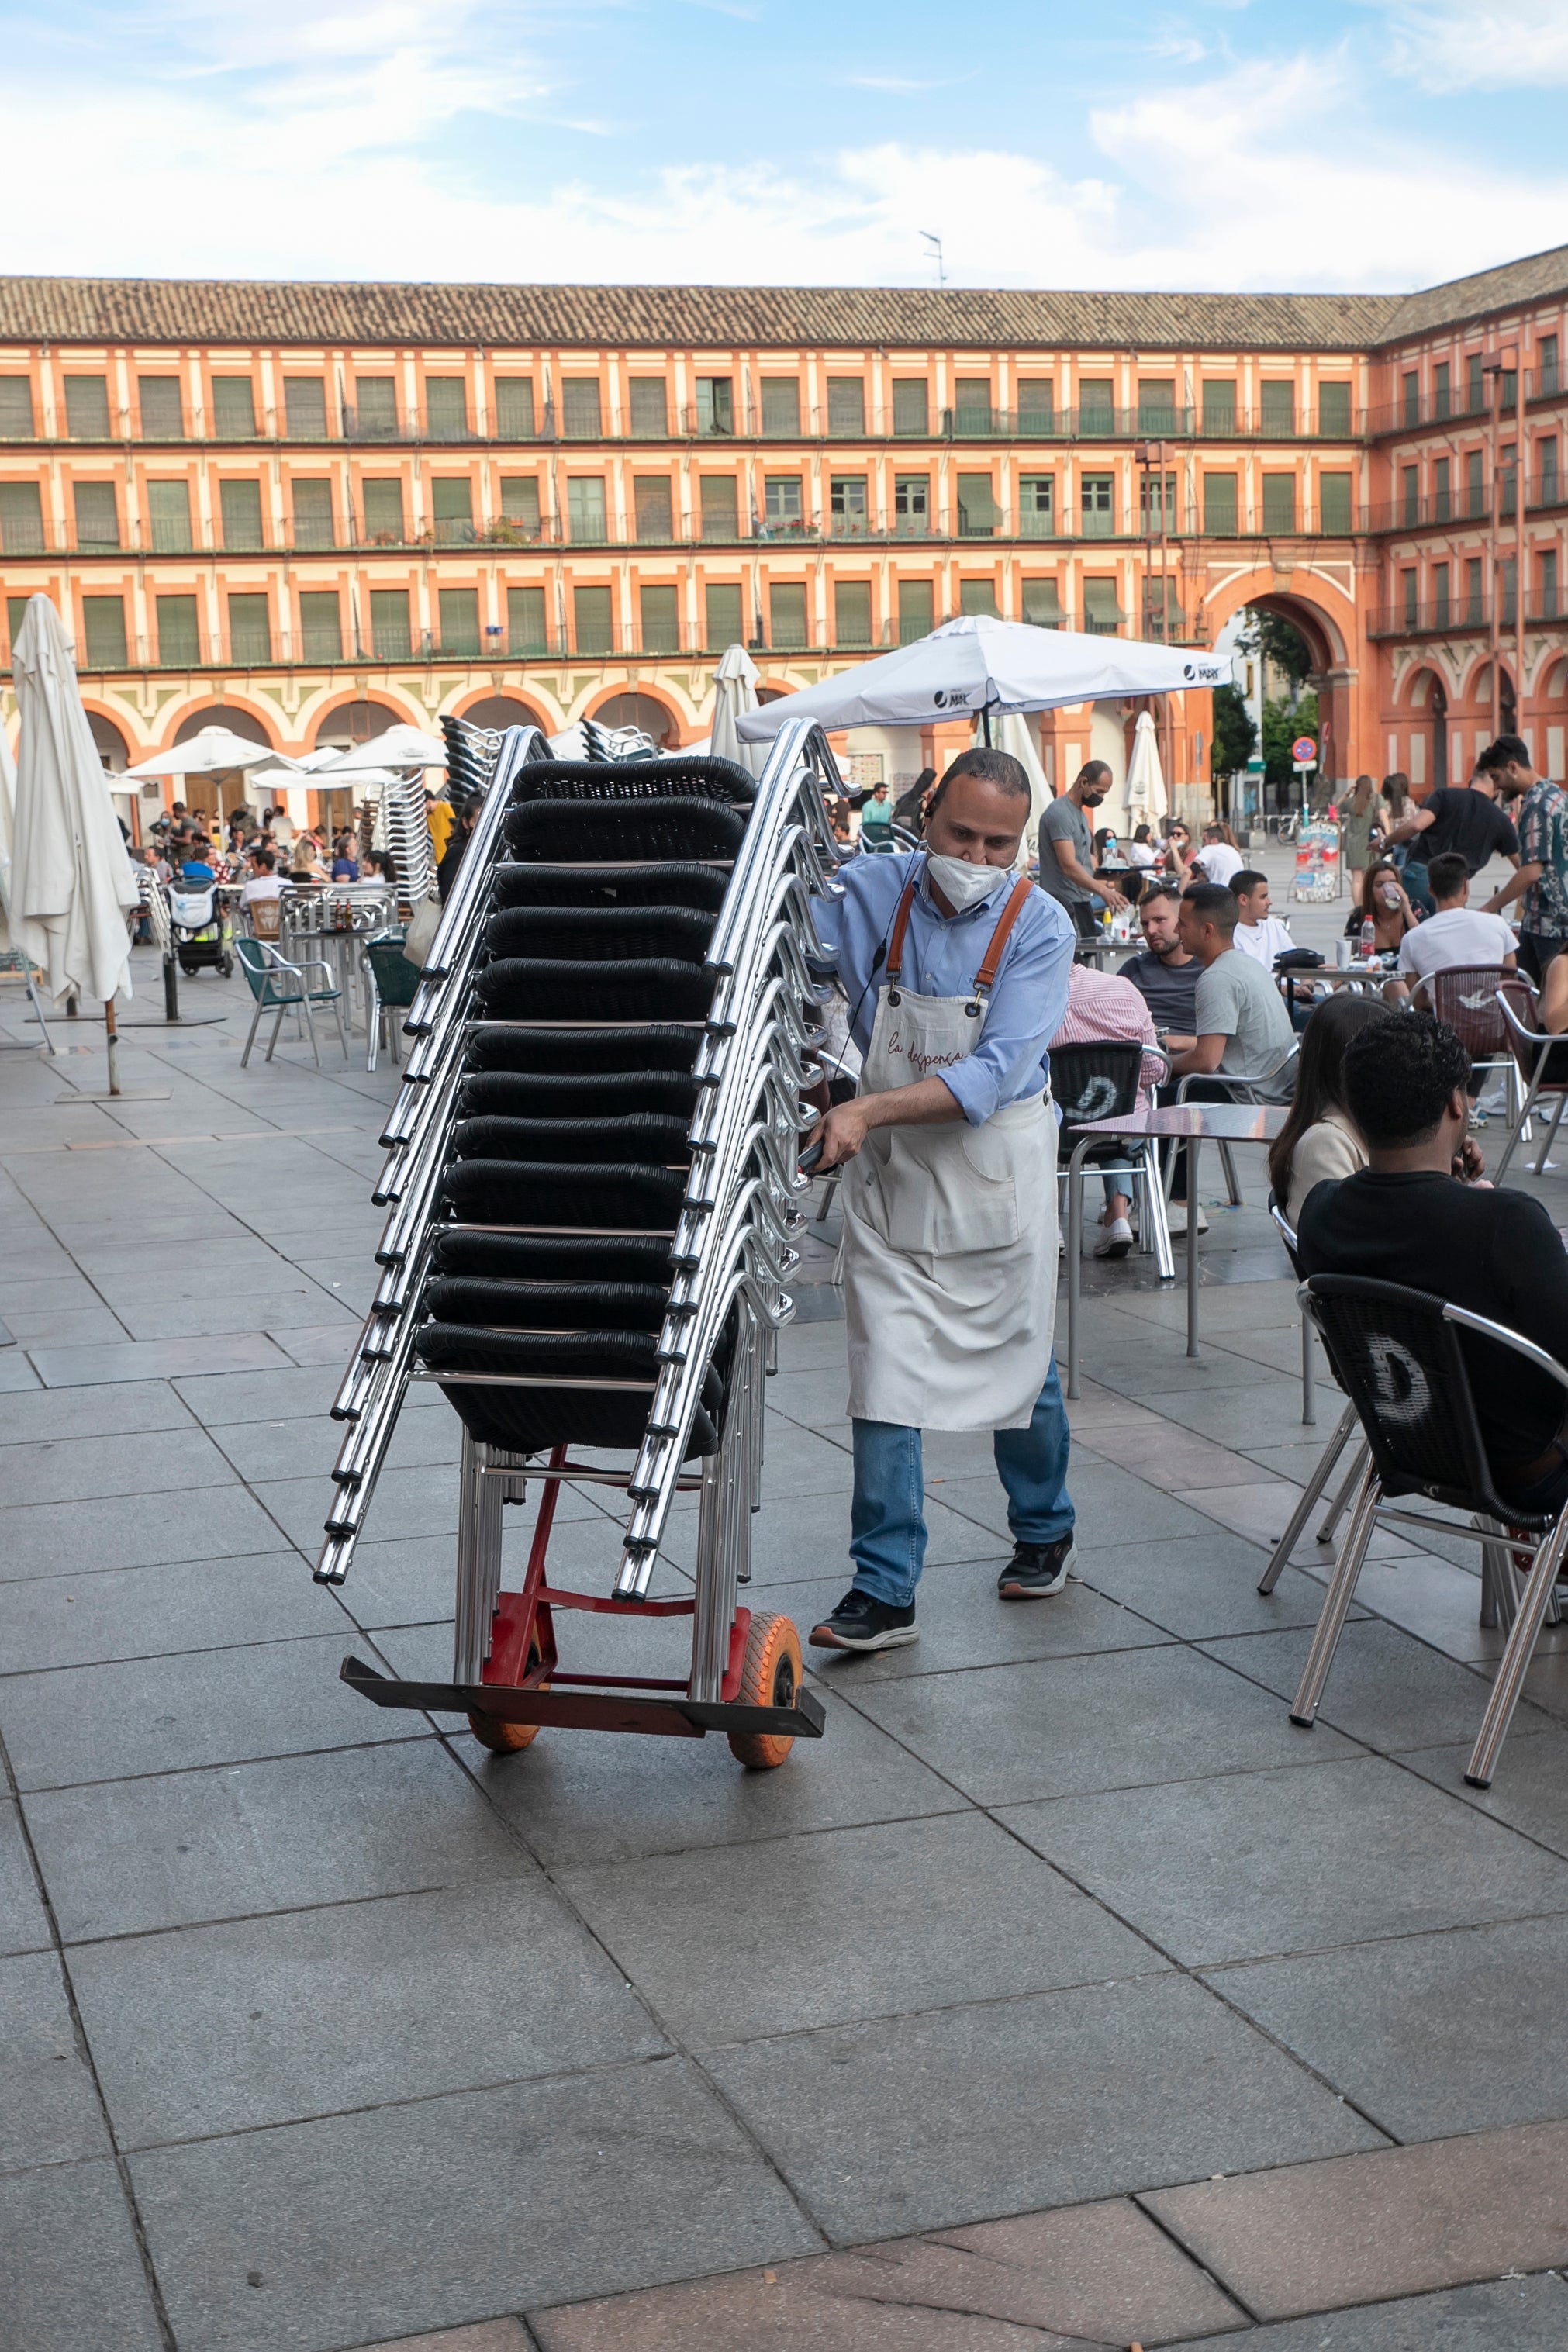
(950, 1232)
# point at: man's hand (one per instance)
(1112, 895)
(1469, 1163)
(842, 1132)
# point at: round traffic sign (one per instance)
(1303, 751)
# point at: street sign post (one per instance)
(1303, 758)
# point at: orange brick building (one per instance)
(308, 509)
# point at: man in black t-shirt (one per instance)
(1165, 975)
(1408, 1218)
(1466, 820)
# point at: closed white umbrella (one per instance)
(398, 746)
(72, 884)
(1145, 778)
(214, 753)
(1012, 732)
(975, 665)
(734, 692)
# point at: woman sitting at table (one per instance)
(1318, 1141)
(1385, 899)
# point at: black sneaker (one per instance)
(859, 1622)
(1036, 1569)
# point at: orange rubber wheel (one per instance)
(770, 1676)
(506, 1738)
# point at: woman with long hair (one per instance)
(1355, 835)
(1386, 900)
(1318, 1141)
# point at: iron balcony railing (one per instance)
(1464, 614)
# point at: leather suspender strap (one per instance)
(985, 976)
(900, 925)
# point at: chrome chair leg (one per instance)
(250, 1037)
(1340, 1503)
(1279, 1558)
(1308, 1373)
(1337, 1601)
(1516, 1658)
(1233, 1183)
(1552, 1134)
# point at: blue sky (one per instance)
(1348, 144)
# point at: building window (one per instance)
(374, 414)
(971, 403)
(169, 515)
(1095, 503)
(249, 631)
(978, 513)
(1546, 574)
(725, 620)
(320, 626)
(1408, 583)
(786, 619)
(1219, 505)
(852, 614)
(457, 614)
(715, 406)
(1102, 614)
(1442, 390)
(1547, 492)
(911, 505)
(1509, 589)
(305, 407)
(514, 407)
(446, 408)
(1443, 490)
(15, 408)
(721, 516)
(1474, 606)
(782, 500)
(846, 407)
(650, 506)
(1475, 484)
(103, 626)
(915, 612)
(158, 402)
(1042, 607)
(977, 596)
(1219, 406)
(1442, 596)
(519, 506)
(383, 501)
(15, 613)
(1334, 503)
(391, 638)
(1410, 495)
(1096, 405)
(660, 621)
(591, 620)
(1279, 502)
(87, 408)
(1508, 478)
(452, 510)
(97, 515)
(1410, 392)
(649, 408)
(1156, 403)
(1277, 410)
(781, 411)
(1334, 412)
(586, 510)
(1036, 506)
(234, 408)
(1036, 404)
(911, 405)
(846, 505)
(1157, 502)
(179, 640)
(1475, 385)
(1548, 380)
(313, 523)
(525, 631)
(240, 504)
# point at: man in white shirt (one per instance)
(1259, 932)
(1458, 933)
(1219, 860)
(264, 882)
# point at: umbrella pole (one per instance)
(985, 725)
(113, 1039)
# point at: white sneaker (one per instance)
(1176, 1212)
(1115, 1239)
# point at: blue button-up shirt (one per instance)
(943, 953)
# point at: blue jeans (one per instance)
(888, 1528)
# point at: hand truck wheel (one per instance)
(770, 1676)
(506, 1738)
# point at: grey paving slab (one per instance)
(1129, 1719)
(581, 1797)
(271, 1310)
(841, 1926)
(319, 1342)
(1430, 2034)
(963, 1624)
(1200, 1585)
(221, 2029)
(24, 1922)
(376, 2225)
(816, 1396)
(1112, 1506)
(1509, 2315)
(155, 1359)
(150, 1462)
(49, 2111)
(1259, 1863)
(307, 1445)
(109, 1613)
(801, 1536)
(1047, 2100)
(1386, 1688)
(207, 1523)
(73, 2276)
(187, 1847)
(70, 1328)
(175, 1714)
(1529, 1793)
(421, 1502)
(110, 1410)
(289, 1392)
(16, 1374)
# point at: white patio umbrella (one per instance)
(214, 753)
(734, 692)
(72, 884)
(398, 746)
(975, 666)
(7, 821)
(1145, 778)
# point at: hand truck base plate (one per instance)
(670, 1717)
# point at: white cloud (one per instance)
(1455, 45)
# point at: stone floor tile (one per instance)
(1101, 2272)
(1053, 2099)
(50, 2112)
(1258, 1862)
(1451, 2033)
(1130, 1719)
(818, 1398)
(16, 1374)
(220, 2029)
(207, 1523)
(73, 2277)
(489, 2336)
(282, 1302)
(801, 1536)
(69, 1329)
(110, 1410)
(1198, 1586)
(79, 1469)
(789, 2309)
(117, 1612)
(220, 1400)
(1528, 1790)
(963, 1624)
(1361, 2229)
(409, 2218)
(24, 1922)
(1508, 2315)
(253, 1838)
(317, 1342)
(1175, 1459)
(856, 1936)
(308, 1447)
(1112, 1507)
(422, 1502)
(156, 1359)
(1385, 1688)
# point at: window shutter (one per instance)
(514, 407)
(103, 619)
(249, 630)
(21, 519)
(915, 610)
(780, 404)
(650, 501)
(15, 613)
(650, 408)
(1036, 405)
(1219, 406)
(977, 596)
(720, 517)
(15, 408)
(1219, 504)
(445, 408)
(726, 626)
(580, 407)
(519, 502)
(87, 408)
(179, 639)
(852, 614)
(1279, 502)
(911, 405)
(1334, 411)
(234, 408)
(591, 620)
(846, 407)
(971, 403)
(1096, 405)
(389, 633)
(320, 626)
(525, 621)
(1277, 412)
(305, 407)
(585, 510)
(459, 616)
(376, 407)
(240, 504)
(1042, 607)
(169, 513)
(382, 503)
(977, 513)
(660, 621)
(1101, 605)
(452, 510)
(314, 515)
(788, 600)
(97, 515)
(1156, 403)
(158, 399)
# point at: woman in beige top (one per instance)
(1317, 1142)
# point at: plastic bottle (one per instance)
(1369, 938)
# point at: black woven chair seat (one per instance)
(547, 1305)
(669, 884)
(640, 1137)
(532, 988)
(528, 1192)
(527, 1420)
(610, 833)
(594, 780)
(549, 1257)
(597, 934)
(577, 1052)
(514, 1094)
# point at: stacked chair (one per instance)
(593, 1177)
(403, 831)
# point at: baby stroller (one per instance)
(198, 913)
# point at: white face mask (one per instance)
(961, 883)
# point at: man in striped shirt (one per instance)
(1100, 1006)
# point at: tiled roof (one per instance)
(209, 310)
(1512, 282)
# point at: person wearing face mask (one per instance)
(1066, 851)
(954, 969)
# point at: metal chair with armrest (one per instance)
(1239, 1087)
(1344, 1429)
(1100, 1079)
(282, 987)
(1543, 1058)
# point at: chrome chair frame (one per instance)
(1247, 1083)
(299, 999)
(1532, 1039)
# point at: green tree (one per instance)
(1235, 733)
(1281, 725)
(1271, 639)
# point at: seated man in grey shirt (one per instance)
(1243, 1027)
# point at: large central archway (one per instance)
(1323, 614)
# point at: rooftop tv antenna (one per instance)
(941, 265)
